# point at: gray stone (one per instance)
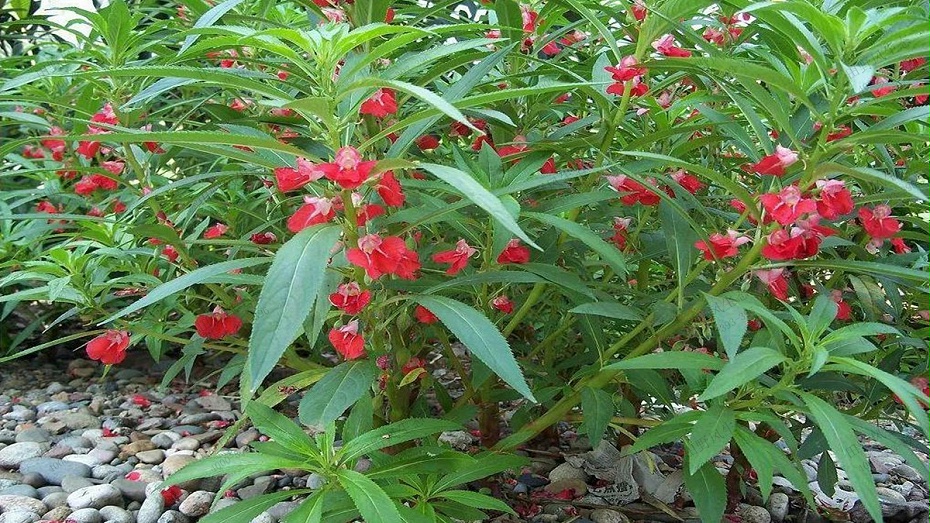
(56, 499)
(13, 456)
(606, 515)
(213, 402)
(96, 496)
(580, 488)
(264, 517)
(152, 457)
(187, 430)
(134, 490)
(246, 437)
(74, 483)
(752, 514)
(33, 435)
(567, 471)
(778, 506)
(457, 439)
(54, 470)
(907, 472)
(51, 406)
(315, 481)
(187, 443)
(87, 459)
(57, 514)
(164, 440)
(197, 503)
(283, 508)
(20, 413)
(151, 509)
(50, 489)
(86, 515)
(108, 473)
(19, 516)
(55, 387)
(172, 516)
(136, 447)
(33, 480)
(20, 490)
(262, 485)
(174, 463)
(24, 503)
(223, 503)
(76, 442)
(113, 514)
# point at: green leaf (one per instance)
(598, 408)
(480, 196)
(207, 20)
(246, 510)
(710, 435)
(745, 367)
(826, 474)
(669, 360)
(393, 434)
(731, 321)
(419, 460)
(183, 282)
(476, 500)
(485, 465)
(229, 463)
(310, 511)
(480, 336)
(822, 315)
(336, 392)
(371, 501)
(360, 419)
(892, 441)
(608, 252)
(668, 431)
(293, 281)
(766, 458)
(431, 98)
(844, 443)
(708, 489)
(609, 309)
(680, 239)
(280, 428)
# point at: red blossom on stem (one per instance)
(109, 348)
(218, 324)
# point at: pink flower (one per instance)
(381, 104)
(457, 258)
(666, 46)
(503, 304)
(878, 222)
(722, 245)
(388, 255)
(775, 163)
(348, 170)
(215, 231)
(627, 69)
(633, 192)
(290, 179)
(347, 341)
(314, 211)
(775, 280)
(688, 181)
(350, 298)
(835, 199)
(787, 205)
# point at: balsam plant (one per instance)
(613, 206)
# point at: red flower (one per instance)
(95, 212)
(548, 167)
(666, 46)
(839, 133)
(797, 244)
(516, 147)
(878, 223)
(529, 17)
(109, 348)
(514, 253)
(350, 298)
(348, 170)
(290, 179)
(479, 142)
(835, 199)
(85, 186)
(141, 401)
(171, 495)
(722, 245)
(714, 35)
(639, 88)
(347, 341)
(787, 205)
(427, 142)
(104, 182)
(314, 211)
(113, 167)
(388, 255)
(47, 207)
(33, 152)
(263, 238)
(633, 191)
(881, 91)
(899, 246)
(239, 104)
(412, 365)
(457, 258)
(369, 211)
(843, 310)
(775, 280)
(690, 182)
(775, 163)
(118, 206)
(503, 304)
(381, 104)
(57, 146)
(423, 315)
(217, 324)
(626, 70)
(215, 231)
(909, 65)
(638, 10)
(390, 190)
(620, 226)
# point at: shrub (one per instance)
(622, 207)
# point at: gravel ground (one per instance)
(78, 449)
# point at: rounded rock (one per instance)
(151, 508)
(751, 514)
(19, 516)
(23, 503)
(116, 515)
(567, 471)
(54, 470)
(74, 483)
(606, 515)
(56, 499)
(264, 517)
(12, 456)
(86, 515)
(33, 435)
(164, 440)
(778, 506)
(172, 516)
(95, 497)
(151, 457)
(197, 504)
(21, 490)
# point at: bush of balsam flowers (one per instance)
(618, 209)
